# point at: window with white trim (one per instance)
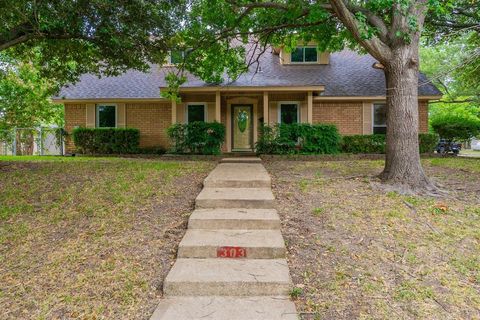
(379, 118)
(196, 112)
(178, 56)
(289, 112)
(304, 55)
(106, 116)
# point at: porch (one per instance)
(244, 111)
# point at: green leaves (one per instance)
(105, 36)
(456, 126)
(25, 96)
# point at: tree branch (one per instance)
(19, 34)
(454, 101)
(374, 45)
(373, 19)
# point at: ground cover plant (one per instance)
(90, 238)
(358, 252)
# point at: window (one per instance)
(379, 118)
(304, 54)
(288, 112)
(178, 56)
(106, 116)
(196, 112)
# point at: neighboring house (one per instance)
(307, 86)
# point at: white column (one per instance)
(310, 107)
(265, 108)
(218, 105)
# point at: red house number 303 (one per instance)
(231, 252)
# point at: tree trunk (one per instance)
(403, 169)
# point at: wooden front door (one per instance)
(242, 127)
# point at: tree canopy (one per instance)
(377, 27)
(25, 96)
(70, 38)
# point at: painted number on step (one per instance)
(231, 252)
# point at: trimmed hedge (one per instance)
(427, 142)
(298, 138)
(197, 137)
(375, 143)
(106, 140)
(368, 143)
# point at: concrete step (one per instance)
(241, 160)
(228, 277)
(235, 218)
(238, 175)
(255, 244)
(226, 308)
(249, 198)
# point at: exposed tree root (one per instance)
(424, 187)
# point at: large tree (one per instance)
(25, 97)
(70, 38)
(389, 30)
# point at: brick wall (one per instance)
(75, 116)
(152, 119)
(423, 116)
(347, 116)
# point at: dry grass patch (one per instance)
(90, 238)
(359, 253)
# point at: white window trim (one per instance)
(373, 115)
(97, 118)
(304, 62)
(279, 110)
(205, 109)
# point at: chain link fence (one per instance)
(32, 141)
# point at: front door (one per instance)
(242, 130)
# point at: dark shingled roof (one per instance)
(348, 74)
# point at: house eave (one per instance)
(105, 100)
(251, 88)
(367, 98)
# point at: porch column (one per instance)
(174, 111)
(265, 107)
(218, 105)
(310, 107)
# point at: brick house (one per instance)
(340, 88)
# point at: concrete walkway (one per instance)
(231, 262)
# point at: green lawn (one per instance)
(358, 252)
(90, 237)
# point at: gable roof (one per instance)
(347, 75)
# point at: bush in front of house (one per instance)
(197, 137)
(106, 140)
(427, 142)
(363, 143)
(375, 143)
(298, 138)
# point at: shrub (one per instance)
(427, 142)
(375, 143)
(456, 126)
(197, 137)
(371, 143)
(106, 140)
(300, 138)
